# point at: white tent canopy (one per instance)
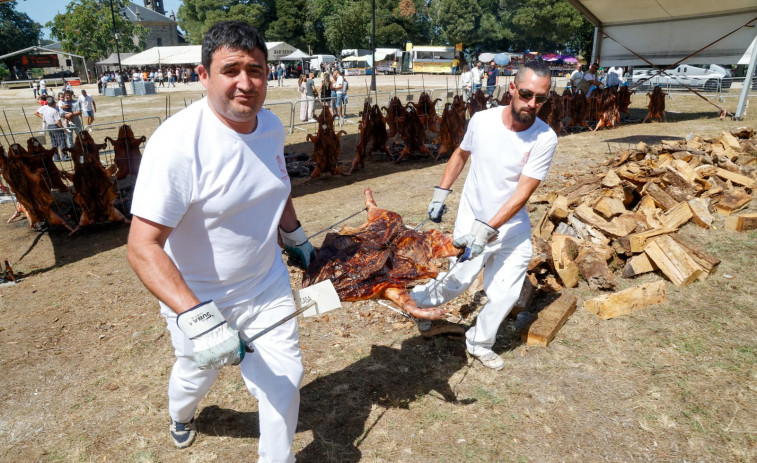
(666, 31)
(296, 56)
(277, 50)
(165, 55)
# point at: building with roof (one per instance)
(162, 30)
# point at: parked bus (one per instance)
(431, 59)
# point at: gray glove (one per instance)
(474, 242)
(436, 207)
(215, 343)
(297, 246)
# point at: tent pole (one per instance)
(741, 108)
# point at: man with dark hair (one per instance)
(510, 151)
(211, 200)
(492, 78)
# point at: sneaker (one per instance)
(183, 434)
(490, 360)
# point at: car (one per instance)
(710, 79)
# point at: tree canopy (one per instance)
(17, 30)
(86, 29)
(328, 26)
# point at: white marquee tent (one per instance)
(192, 54)
(665, 32)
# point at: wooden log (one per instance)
(677, 216)
(729, 141)
(588, 216)
(559, 209)
(564, 251)
(542, 255)
(700, 212)
(639, 240)
(623, 302)
(542, 198)
(525, 299)
(594, 270)
(732, 202)
(707, 262)
(611, 179)
(706, 170)
(637, 265)
(662, 199)
(741, 222)
(608, 207)
(684, 170)
(587, 232)
(672, 260)
(736, 178)
(627, 222)
(545, 227)
(549, 321)
(580, 193)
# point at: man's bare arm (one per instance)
(153, 266)
(524, 190)
(454, 167)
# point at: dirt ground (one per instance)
(85, 356)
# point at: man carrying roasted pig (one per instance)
(510, 151)
(210, 202)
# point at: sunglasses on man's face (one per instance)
(526, 95)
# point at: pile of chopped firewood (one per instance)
(622, 223)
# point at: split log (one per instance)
(733, 202)
(549, 321)
(564, 252)
(736, 178)
(677, 216)
(700, 212)
(639, 240)
(608, 207)
(729, 141)
(545, 227)
(587, 232)
(587, 215)
(672, 260)
(638, 265)
(623, 302)
(525, 299)
(741, 222)
(611, 179)
(707, 262)
(593, 268)
(559, 209)
(662, 199)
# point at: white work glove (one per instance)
(215, 343)
(297, 246)
(474, 242)
(436, 207)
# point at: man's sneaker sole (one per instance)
(183, 434)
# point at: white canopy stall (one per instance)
(669, 32)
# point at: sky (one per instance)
(43, 11)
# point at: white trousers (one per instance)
(311, 106)
(504, 265)
(272, 374)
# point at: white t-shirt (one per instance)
(338, 84)
(476, 74)
(614, 76)
(42, 85)
(85, 102)
(575, 78)
(498, 158)
(466, 80)
(223, 194)
(50, 115)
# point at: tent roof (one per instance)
(113, 59)
(666, 31)
(297, 55)
(190, 54)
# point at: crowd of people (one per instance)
(166, 76)
(596, 77)
(331, 93)
(62, 118)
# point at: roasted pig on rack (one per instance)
(379, 259)
(126, 147)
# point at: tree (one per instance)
(86, 29)
(348, 26)
(195, 17)
(17, 30)
(541, 24)
(292, 25)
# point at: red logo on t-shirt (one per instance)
(525, 159)
(282, 167)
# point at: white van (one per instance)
(317, 60)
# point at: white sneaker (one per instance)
(490, 360)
